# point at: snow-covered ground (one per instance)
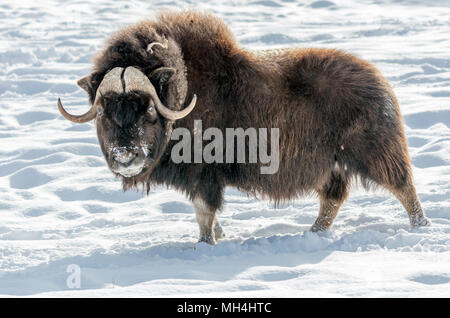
(59, 205)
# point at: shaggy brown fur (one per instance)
(338, 117)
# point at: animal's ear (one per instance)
(89, 84)
(162, 75)
(85, 83)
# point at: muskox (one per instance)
(337, 116)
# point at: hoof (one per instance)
(317, 228)
(208, 239)
(420, 221)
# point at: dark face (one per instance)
(129, 131)
(130, 126)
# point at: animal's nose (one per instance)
(124, 155)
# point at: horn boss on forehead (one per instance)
(134, 80)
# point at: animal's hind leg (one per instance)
(408, 197)
(389, 166)
(331, 196)
(404, 190)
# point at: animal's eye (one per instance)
(151, 107)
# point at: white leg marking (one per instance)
(206, 221)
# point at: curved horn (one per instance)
(136, 80)
(89, 115)
(111, 82)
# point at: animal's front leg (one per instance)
(218, 231)
(206, 218)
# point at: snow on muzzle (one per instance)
(127, 161)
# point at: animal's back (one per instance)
(333, 109)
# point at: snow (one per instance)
(59, 204)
